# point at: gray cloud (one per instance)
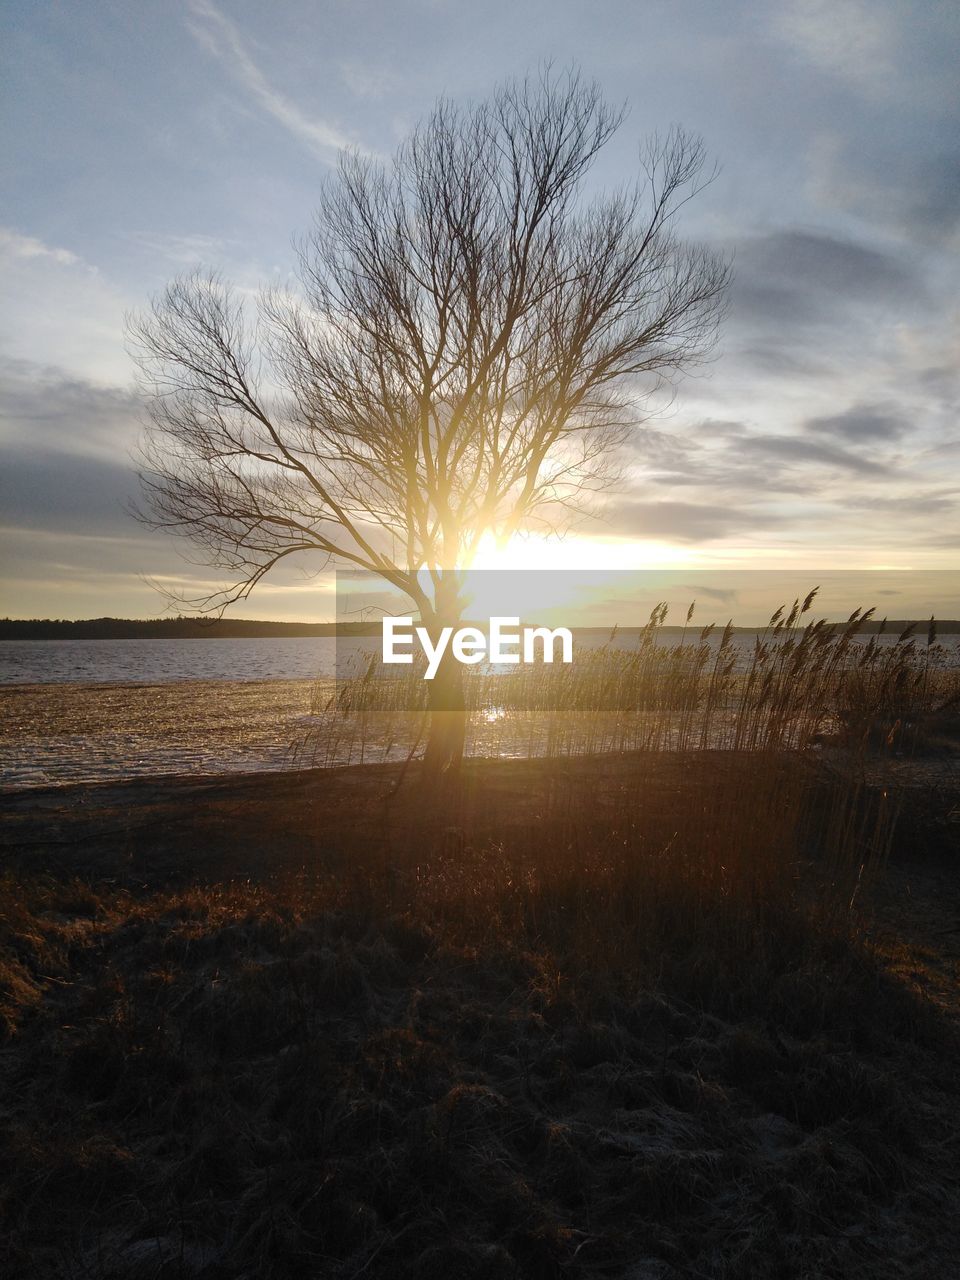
(915, 193)
(790, 449)
(725, 455)
(916, 504)
(721, 428)
(685, 521)
(721, 594)
(826, 263)
(673, 479)
(657, 448)
(935, 204)
(734, 477)
(64, 492)
(798, 279)
(941, 380)
(862, 422)
(773, 303)
(770, 358)
(47, 407)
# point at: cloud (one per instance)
(915, 193)
(854, 40)
(657, 448)
(792, 449)
(49, 408)
(729, 456)
(861, 422)
(13, 246)
(720, 428)
(70, 494)
(800, 305)
(821, 319)
(684, 521)
(768, 357)
(817, 263)
(937, 503)
(723, 595)
(49, 572)
(774, 304)
(220, 37)
(184, 250)
(57, 304)
(940, 380)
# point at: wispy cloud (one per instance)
(14, 245)
(184, 250)
(220, 37)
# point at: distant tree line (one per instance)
(170, 629)
(194, 628)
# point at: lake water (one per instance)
(96, 710)
(159, 661)
(261, 658)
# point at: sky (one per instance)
(143, 139)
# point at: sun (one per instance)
(554, 579)
(530, 551)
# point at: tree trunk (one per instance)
(448, 721)
(446, 703)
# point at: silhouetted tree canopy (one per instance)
(466, 352)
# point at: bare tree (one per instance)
(465, 357)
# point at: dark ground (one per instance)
(284, 1025)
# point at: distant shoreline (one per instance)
(242, 629)
(174, 629)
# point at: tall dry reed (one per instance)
(796, 685)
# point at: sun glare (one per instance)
(553, 574)
(535, 552)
